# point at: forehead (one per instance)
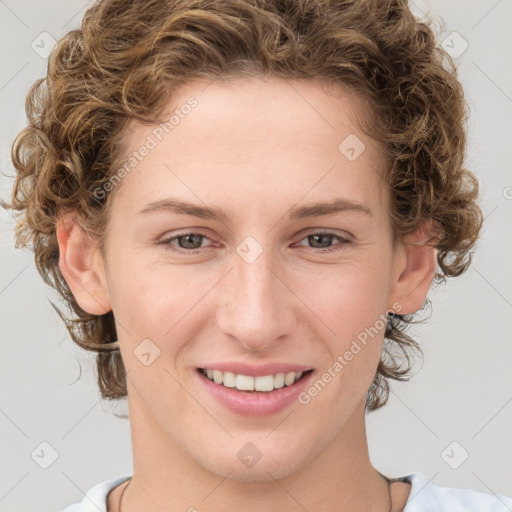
(270, 136)
(239, 111)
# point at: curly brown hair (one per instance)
(128, 57)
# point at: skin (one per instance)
(255, 148)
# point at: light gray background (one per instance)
(463, 393)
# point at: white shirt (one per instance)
(424, 497)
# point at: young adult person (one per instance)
(228, 194)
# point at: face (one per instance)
(265, 285)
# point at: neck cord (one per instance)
(388, 481)
(122, 494)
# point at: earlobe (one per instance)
(415, 269)
(82, 267)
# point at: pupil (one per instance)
(191, 244)
(326, 237)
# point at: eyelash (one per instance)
(344, 242)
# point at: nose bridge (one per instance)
(256, 307)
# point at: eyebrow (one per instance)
(329, 208)
(204, 212)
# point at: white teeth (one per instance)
(244, 383)
(289, 378)
(279, 380)
(248, 383)
(217, 377)
(229, 379)
(264, 383)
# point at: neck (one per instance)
(340, 477)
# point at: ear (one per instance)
(81, 265)
(414, 270)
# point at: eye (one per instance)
(192, 243)
(188, 243)
(321, 241)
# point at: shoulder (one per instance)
(427, 497)
(95, 499)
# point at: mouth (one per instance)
(259, 395)
(253, 385)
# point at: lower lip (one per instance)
(255, 403)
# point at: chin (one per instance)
(259, 473)
(267, 468)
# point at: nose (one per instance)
(256, 307)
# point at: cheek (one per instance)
(354, 307)
(351, 301)
(150, 299)
(348, 298)
(157, 300)
(153, 315)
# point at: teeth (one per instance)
(289, 378)
(244, 383)
(229, 379)
(217, 377)
(248, 383)
(279, 380)
(265, 383)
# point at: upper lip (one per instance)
(257, 370)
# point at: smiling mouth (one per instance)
(250, 384)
